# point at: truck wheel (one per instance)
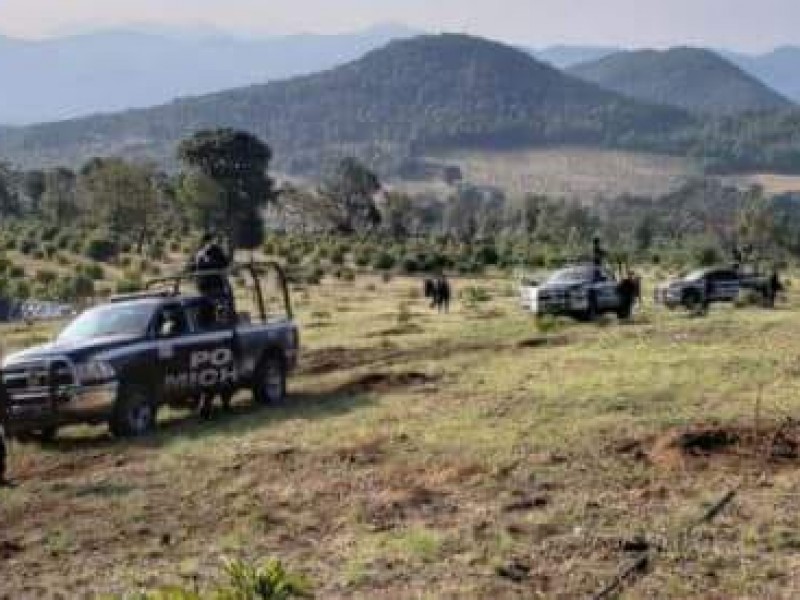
(47, 434)
(625, 311)
(592, 311)
(269, 382)
(692, 301)
(135, 413)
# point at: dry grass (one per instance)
(458, 459)
(574, 172)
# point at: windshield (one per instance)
(573, 275)
(113, 320)
(696, 275)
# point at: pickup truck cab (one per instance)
(583, 292)
(119, 362)
(702, 287)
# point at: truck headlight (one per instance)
(95, 371)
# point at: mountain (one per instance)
(562, 57)
(429, 92)
(108, 71)
(690, 78)
(779, 69)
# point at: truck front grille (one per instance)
(33, 389)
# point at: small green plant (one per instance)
(270, 581)
(384, 261)
(404, 314)
(547, 324)
(475, 295)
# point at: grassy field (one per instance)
(470, 455)
(772, 184)
(574, 172)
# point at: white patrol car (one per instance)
(583, 292)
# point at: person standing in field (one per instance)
(443, 294)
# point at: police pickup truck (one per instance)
(583, 292)
(121, 361)
(703, 287)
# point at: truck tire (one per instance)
(135, 413)
(625, 311)
(592, 312)
(269, 381)
(692, 301)
(47, 434)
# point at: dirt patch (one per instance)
(331, 360)
(544, 342)
(368, 452)
(387, 381)
(768, 445)
(392, 507)
(400, 330)
(9, 548)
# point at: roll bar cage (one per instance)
(256, 270)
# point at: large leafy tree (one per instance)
(123, 197)
(59, 200)
(348, 197)
(226, 183)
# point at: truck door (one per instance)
(206, 354)
(725, 285)
(606, 289)
(170, 325)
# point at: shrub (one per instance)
(25, 245)
(49, 234)
(101, 248)
(270, 581)
(363, 258)
(127, 286)
(337, 257)
(474, 295)
(45, 276)
(384, 261)
(19, 289)
(345, 274)
(708, 256)
(63, 241)
(487, 255)
(94, 271)
(315, 275)
(404, 314)
(410, 265)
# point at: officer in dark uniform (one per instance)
(207, 263)
(598, 253)
(774, 287)
(443, 294)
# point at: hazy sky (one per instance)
(744, 24)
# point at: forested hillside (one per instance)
(414, 97)
(429, 92)
(690, 78)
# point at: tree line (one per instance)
(112, 206)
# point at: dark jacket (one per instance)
(211, 257)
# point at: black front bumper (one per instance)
(47, 394)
